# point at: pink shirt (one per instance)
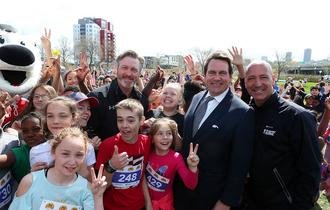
(160, 172)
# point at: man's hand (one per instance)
(237, 56)
(221, 206)
(238, 60)
(119, 161)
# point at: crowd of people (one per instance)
(187, 140)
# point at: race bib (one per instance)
(129, 176)
(156, 181)
(53, 205)
(5, 189)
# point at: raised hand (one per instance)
(237, 56)
(98, 185)
(327, 103)
(190, 65)
(95, 141)
(119, 160)
(83, 69)
(193, 159)
(4, 103)
(45, 39)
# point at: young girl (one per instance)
(170, 99)
(17, 159)
(38, 97)
(164, 162)
(60, 187)
(60, 112)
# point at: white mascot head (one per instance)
(20, 64)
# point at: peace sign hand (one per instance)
(193, 159)
(98, 185)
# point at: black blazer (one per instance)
(225, 147)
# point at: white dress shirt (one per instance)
(213, 104)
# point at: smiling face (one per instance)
(84, 113)
(163, 139)
(32, 132)
(58, 117)
(217, 77)
(170, 98)
(40, 98)
(128, 123)
(259, 82)
(69, 155)
(20, 64)
(71, 79)
(127, 73)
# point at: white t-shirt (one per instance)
(42, 153)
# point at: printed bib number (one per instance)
(5, 189)
(128, 177)
(53, 205)
(156, 181)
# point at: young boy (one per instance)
(124, 156)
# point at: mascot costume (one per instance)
(20, 67)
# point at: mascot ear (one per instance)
(20, 64)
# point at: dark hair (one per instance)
(129, 53)
(219, 55)
(315, 88)
(33, 115)
(72, 88)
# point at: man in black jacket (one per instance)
(103, 121)
(285, 168)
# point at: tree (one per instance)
(280, 64)
(202, 55)
(65, 50)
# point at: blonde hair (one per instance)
(176, 86)
(132, 105)
(71, 132)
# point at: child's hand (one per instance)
(119, 161)
(39, 166)
(98, 185)
(193, 159)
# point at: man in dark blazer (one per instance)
(225, 136)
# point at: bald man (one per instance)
(285, 168)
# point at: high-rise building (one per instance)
(288, 56)
(307, 55)
(96, 37)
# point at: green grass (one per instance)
(307, 86)
(323, 203)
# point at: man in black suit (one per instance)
(225, 133)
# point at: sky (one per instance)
(157, 27)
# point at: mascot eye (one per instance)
(2, 40)
(22, 43)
